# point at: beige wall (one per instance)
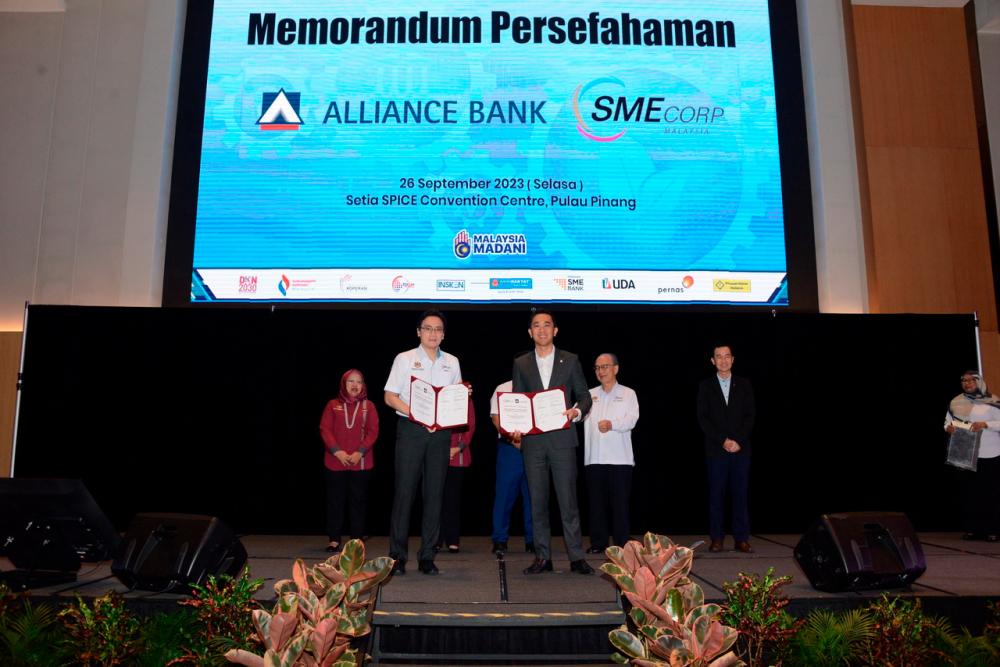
(927, 235)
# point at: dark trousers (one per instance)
(728, 473)
(346, 489)
(539, 460)
(511, 483)
(421, 461)
(609, 487)
(451, 509)
(981, 498)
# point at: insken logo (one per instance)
(401, 284)
(450, 285)
(617, 283)
(280, 111)
(248, 284)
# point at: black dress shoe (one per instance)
(428, 567)
(399, 568)
(529, 547)
(453, 549)
(499, 547)
(596, 550)
(540, 565)
(581, 567)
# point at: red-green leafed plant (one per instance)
(755, 606)
(223, 611)
(673, 625)
(319, 612)
(103, 633)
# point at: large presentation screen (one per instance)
(599, 152)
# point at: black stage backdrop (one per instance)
(215, 411)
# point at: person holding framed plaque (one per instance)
(973, 422)
(550, 448)
(421, 451)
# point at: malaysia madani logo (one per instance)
(461, 245)
(280, 111)
(581, 124)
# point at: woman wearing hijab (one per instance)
(978, 410)
(349, 428)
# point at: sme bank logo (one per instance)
(280, 111)
(570, 283)
(401, 285)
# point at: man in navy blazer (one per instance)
(546, 368)
(725, 414)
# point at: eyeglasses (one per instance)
(437, 330)
(604, 367)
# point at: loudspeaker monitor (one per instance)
(860, 551)
(164, 552)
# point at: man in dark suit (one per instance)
(555, 452)
(726, 414)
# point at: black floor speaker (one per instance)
(170, 552)
(857, 551)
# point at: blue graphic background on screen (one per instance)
(708, 195)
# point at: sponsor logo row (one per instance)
(401, 284)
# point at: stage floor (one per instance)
(461, 616)
(469, 580)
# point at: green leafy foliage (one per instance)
(904, 635)
(223, 611)
(29, 635)
(670, 624)
(755, 606)
(829, 639)
(102, 633)
(319, 612)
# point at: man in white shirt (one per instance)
(421, 453)
(553, 452)
(607, 455)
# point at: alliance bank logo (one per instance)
(402, 285)
(618, 283)
(280, 111)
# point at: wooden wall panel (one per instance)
(10, 361)
(926, 224)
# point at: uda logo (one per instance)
(280, 111)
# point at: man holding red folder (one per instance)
(555, 451)
(421, 453)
